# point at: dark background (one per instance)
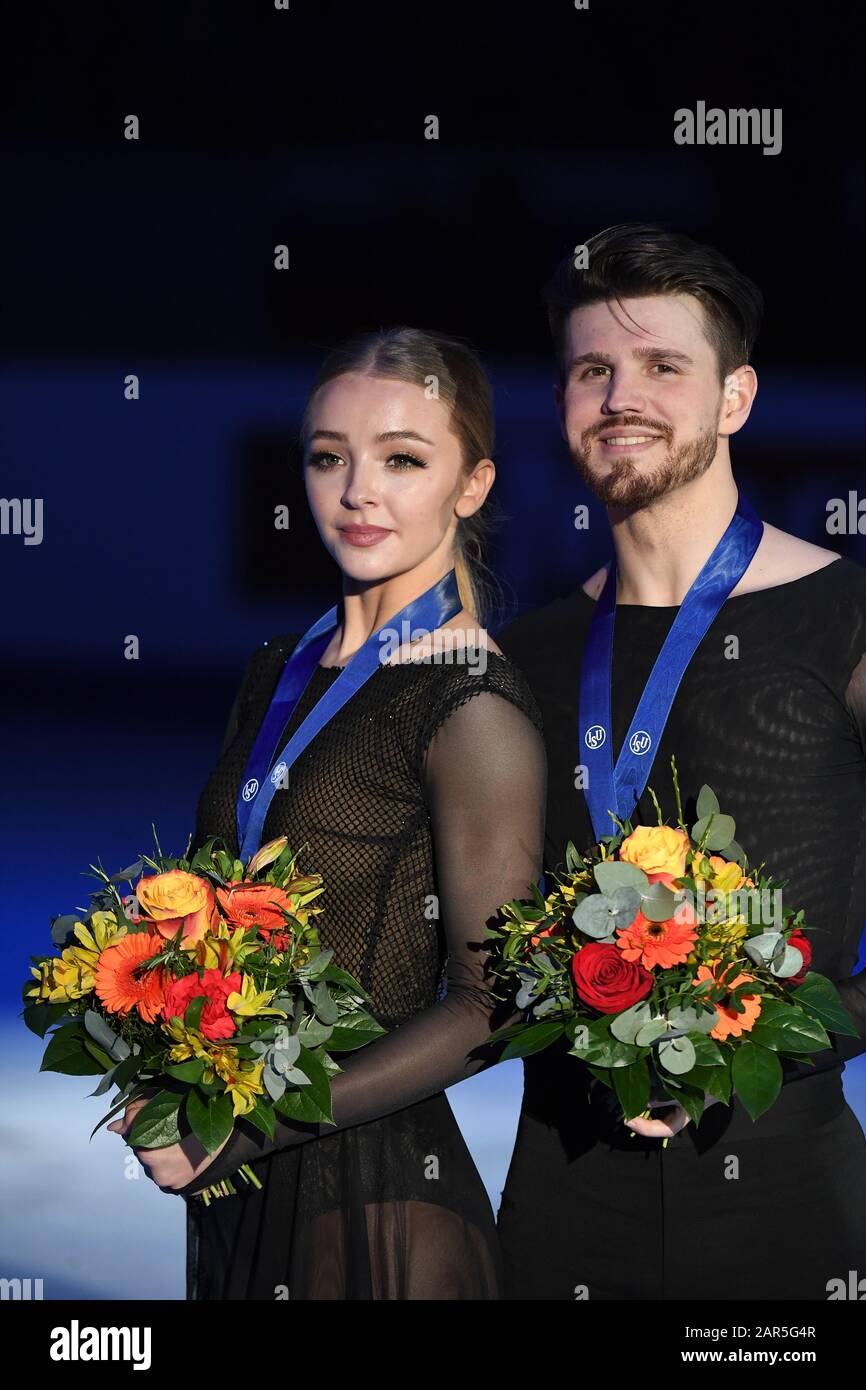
(155, 257)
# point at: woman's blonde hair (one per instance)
(453, 372)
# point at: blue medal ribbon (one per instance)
(618, 789)
(261, 777)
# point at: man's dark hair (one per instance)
(636, 258)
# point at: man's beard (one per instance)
(625, 485)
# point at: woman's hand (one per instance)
(675, 1120)
(175, 1165)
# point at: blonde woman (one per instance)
(420, 800)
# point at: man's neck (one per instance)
(662, 548)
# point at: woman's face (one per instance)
(380, 455)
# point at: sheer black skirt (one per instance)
(391, 1209)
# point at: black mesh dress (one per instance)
(777, 726)
(421, 803)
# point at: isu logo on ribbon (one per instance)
(640, 741)
(279, 773)
(595, 736)
(250, 789)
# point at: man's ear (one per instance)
(738, 394)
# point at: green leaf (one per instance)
(824, 1003)
(650, 1032)
(660, 903)
(155, 1126)
(353, 1031)
(707, 1052)
(715, 1080)
(707, 802)
(677, 1055)
(533, 1038)
(211, 1119)
(67, 1053)
(789, 1029)
(756, 1074)
(193, 1070)
(263, 1117)
(606, 1052)
(192, 1016)
(319, 1089)
(722, 831)
(625, 1026)
(618, 873)
(105, 1036)
(632, 1086)
(39, 1017)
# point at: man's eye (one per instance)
(323, 460)
(590, 370)
(667, 366)
(406, 461)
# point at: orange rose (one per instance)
(177, 897)
(255, 905)
(656, 849)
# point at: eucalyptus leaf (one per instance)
(273, 1083)
(600, 913)
(625, 1026)
(660, 903)
(650, 1031)
(722, 831)
(790, 963)
(101, 1033)
(618, 873)
(707, 802)
(762, 949)
(676, 1056)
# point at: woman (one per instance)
(420, 802)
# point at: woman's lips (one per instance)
(363, 535)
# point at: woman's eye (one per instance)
(323, 460)
(406, 461)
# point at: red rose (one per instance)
(606, 980)
(216, 1021)
(804, 946)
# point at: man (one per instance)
(653, 339)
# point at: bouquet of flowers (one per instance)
(668, 965)
(204, 989)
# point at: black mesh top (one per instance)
(771, 713)
(395, 801)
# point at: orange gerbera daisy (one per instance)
(659, 943)
(119, 988)
(731, 1024)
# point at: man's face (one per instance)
(641, 401)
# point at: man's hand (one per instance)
(175, 1165)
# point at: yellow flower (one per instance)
(72, 974)
(657, 849)
(248, 1003)
(245, 1085)
(188, 1043)
(727, 874)
(721, 938)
